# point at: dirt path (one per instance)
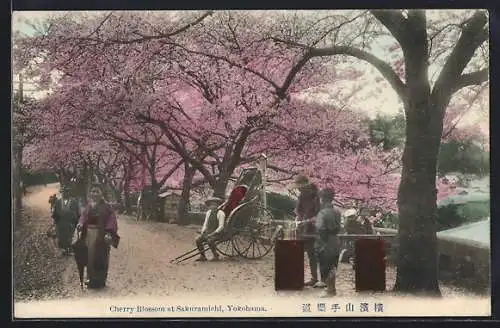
(38, 269)
(141, 265)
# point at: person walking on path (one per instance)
(65, 212)
(99, 227)
(307, 207)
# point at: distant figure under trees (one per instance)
(65, 212)
(146, 204)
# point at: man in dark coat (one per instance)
(307, 207)
(327, 245)
(66, 211)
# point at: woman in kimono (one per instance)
(99, 226)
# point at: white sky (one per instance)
(386, 100)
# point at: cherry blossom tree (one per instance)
(455, 45)
(24, 133)
(241, 91)
(223, 78)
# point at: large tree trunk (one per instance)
(417, 268)
(83, 182)
(418, 260)
(183, 209)
(118, 199)
(127, 201)
(63, 177)
(220, 187)
(156, 206)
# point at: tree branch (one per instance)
(394, 21)
(239, 145)
(228, 61)
(170, 172)
(281, 91)
(473, 35)
(384, 68)
(178, 147)
(474, 78)
(278, 169)
(144, 38)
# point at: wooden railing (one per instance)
(452, 247)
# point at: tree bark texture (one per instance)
(183, 209)
(220, 187)
(417, 261)
(156, 206)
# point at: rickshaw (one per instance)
(250, 229)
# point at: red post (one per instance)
(370, 264)
(289, 265)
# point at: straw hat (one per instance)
(350, 212)
(213, 199)
(300, 181)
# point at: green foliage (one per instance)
(454, 215)
(474, 211)
(388, 131)
(464, 157)
(447, 216)
(281, 206)
(38, 178)
(388, 221)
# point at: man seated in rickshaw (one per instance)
(215, 220)
(212, 227)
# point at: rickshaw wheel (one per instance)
(256, 239)
(252, 245)
(227, 248)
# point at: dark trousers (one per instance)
(203, 239)
(311, 256)
(326, 264)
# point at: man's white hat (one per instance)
(214, 200)
(350, 212)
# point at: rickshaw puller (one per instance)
(212, 226)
